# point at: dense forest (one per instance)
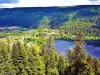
(31, 50)
(31, 17)
(20, 58)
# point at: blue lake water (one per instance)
(92, 47)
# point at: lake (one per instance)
(92, 47)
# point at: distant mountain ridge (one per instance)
(32, 16)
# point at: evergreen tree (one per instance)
(35, 63)
(53, 58)
(96, 66)
(46, 56)
(6, 68)
(18, 57)
(61, 65)
(90, 64)
(79, 65)
(69, 57)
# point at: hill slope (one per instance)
(31, 17)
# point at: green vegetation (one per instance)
(71, 28)
(39, 57)
(33, 52)
(31, 17)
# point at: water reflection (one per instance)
(92, 47)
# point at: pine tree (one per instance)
(78, 65)
(18, 57)
(52, 63)
(69, 57)
(6, 68)
(46, 56)
(90, 64)
(96, 66)
(79, 53)
(35, 63)
(61, 65)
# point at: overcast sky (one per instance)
(43, 3)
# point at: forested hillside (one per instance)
(27, 38)
(38, 56)
(31, 17)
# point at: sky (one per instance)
(45, 3)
